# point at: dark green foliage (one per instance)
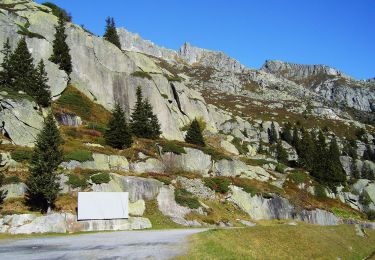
(369, 154)
(171, 147)
(118, 132)
(142, 74)
(20, 155)
(260, 147)
(367, 172)
(361, 135)
(298, 177)
(320, 192)
(61, 55)
(186, 199)
(354, 170)
(6, 74)
(42, 186)
(25, 32)
(335, 174)
(272, 134)
(144, 123)
(246, 187)
(350, 149)
(58, 11)
(42, 93)
(111, 33)
(218, 184)
(370, 215)
(306, 151)
(281, 154)
(3, 194)
(96, 126)
(100, 178)
(12, 179)
(240, 145)
(79, 155)
(194, 134)
(215, 154)
(280, 168)
(296, 138)
(286, 135)
(77, 182)
(365, 199)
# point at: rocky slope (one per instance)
(236, 104)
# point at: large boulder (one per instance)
(14, 190)
(100, 162)
(137, 208)
(229, 147)
(192, 161)
(148, 165)
(53, 223)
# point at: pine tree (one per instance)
(296, 139)
(355, 174)
(260, 147)
(286, 134)
(23, 70)
(118, 132)
(334, 172)
(61, 55)
(144, 123)
(42, 93)
(350, 149)
(111, 33)
(6, 74)
(194, 134)
(320, 157)
(306, 151)
(281, 154)
(272, 134)
(42, 186)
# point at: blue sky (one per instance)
(338, 33)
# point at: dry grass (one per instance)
(158, 220)
(67, 203)
(282, 242)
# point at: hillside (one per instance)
(248, 116)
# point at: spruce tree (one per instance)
(153, 130)
(335, 174)
(296, 138)
(272, 134)
(281, 154)
(42, 93)
(42, 188)
(111, 33)
(194, 134)
(6, 74)
(23, 70)
(306, 151)
(61, 55)
(286, 134)
(320, 157)
(355, 174)
(118, 134)
(260, 147)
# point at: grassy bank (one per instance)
(282, 242)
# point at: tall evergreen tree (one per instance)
(194, 134)
(42, 93)
(6, 74)
(153, 125)
(118, 132)
(111, 33)
(23, 70)
(320, 156)
(355, 174)
(335, 174)
(296, 138)
(286, 135)
(272, 134)
(306, 151)
(350, 149)
(61, 55)
(281, 154)
(42, 188)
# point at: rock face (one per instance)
(68, 119)
(278, 208)
(101, 162)
(149, 165)
(66, 222)
(192, 161)
(20, 120)
(196, 187)
(14, 190)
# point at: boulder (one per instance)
(53, 223)
(229, 147)
(101, 162)
(14, 190)
(193, 160)
(233, 168)
(137, 208)
(149, 165)
(132, 223)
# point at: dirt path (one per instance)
(150, 244)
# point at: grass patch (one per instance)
(100, 178)
(76, 181)
(345, 214)
(67, 203)
(142, 74)
(280, 168)
(79, 155)
(218, 184)
(215, 154)
(173, 78)
(21, 154)
(12, 94)
(25, 31)
(186, 199)
(298, 177)
(158, 220)
(166, 179)
(256, 162)
(172, 147)
(246, 185)
(282, 242)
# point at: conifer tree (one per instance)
(42, 188)
(320, 156)
(3, 193)
(153, 127)
(42, 93)
(350, 149)
(194, 134)
(334, 172)
(281, 154)
(296, 138)
(118, 133)
(272, 134)
(355, 174)
(61, 55)
(306, 150)
(286, 134)
(260, 147)
(7, 71)
(23, 70)
(111, 33)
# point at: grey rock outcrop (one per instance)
(100, 162)
(149, 165)
(196, 187)
(14, 190)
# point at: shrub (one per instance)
(79, 155)
(280, 168)
(77, 182)
(365, 199)
(218, 184)
(58, 11)
(298, 177)
(100, 178)
(21, 155)
(370, 215)
(96, 126)
(320, 192)
(12, 179)
(186, 199)
(173, 78)
(173, 148)
(142, 74)
(239, 182)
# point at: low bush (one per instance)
(280, 168)
(320, 192)
(79, 155)
(218, 184)
(297, 177)
(186, 199)
(100, 178)
(173, 78)
(77, 182)
(142, 74)
(21, 155)
(242, 183)
(365, 199)
(171, 147)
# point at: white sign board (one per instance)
(102, 205)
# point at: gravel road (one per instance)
(148, 244)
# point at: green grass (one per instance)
(21, 155)
(282, 242)
(100, 178)
(12, 94)
(142, 74)
(76, 181)
(298, 177)
(218, 184)
(158, 220)
(25, 32)
(79, 155)
(342, 213)
(186, 198)
(171, 147)
(241, 147)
